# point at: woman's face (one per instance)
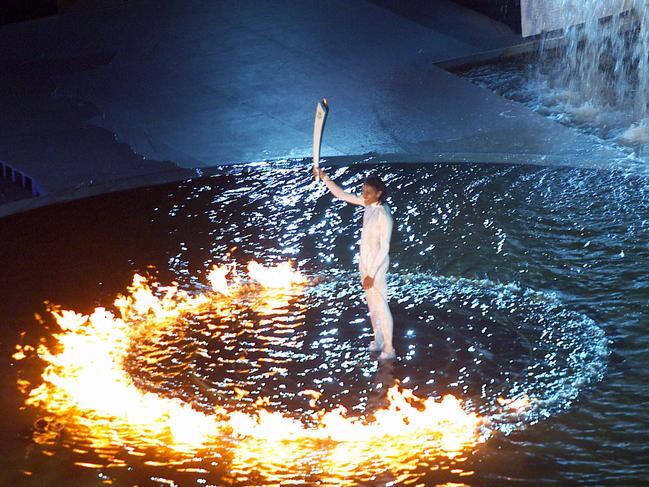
(370, 194)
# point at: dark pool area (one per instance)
(515, 282)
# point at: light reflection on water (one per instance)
(503, 280)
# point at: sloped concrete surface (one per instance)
(157, 89)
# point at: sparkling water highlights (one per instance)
(516, 293)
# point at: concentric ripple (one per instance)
(478, 340)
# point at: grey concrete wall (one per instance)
(547, 15)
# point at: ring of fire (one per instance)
(85, 381)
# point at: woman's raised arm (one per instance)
(340, 193)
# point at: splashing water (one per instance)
(596, 81)
(604, 60)
(603, 65)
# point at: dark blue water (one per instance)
(510, 281)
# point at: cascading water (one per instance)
(591, 72)
(603, 69)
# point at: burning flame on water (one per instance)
(278, 277)
(85, 382)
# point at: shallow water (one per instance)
(508, 281)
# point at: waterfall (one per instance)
(603, 64)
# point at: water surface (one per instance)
(510, 281)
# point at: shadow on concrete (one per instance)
(47, 134)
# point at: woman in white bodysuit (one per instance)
(374, 259)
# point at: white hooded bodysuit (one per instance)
(374, 261)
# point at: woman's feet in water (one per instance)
(388, 355)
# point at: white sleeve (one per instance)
(339, 193)
(385, 229)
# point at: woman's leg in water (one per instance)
(377, 344)
(380, 315)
